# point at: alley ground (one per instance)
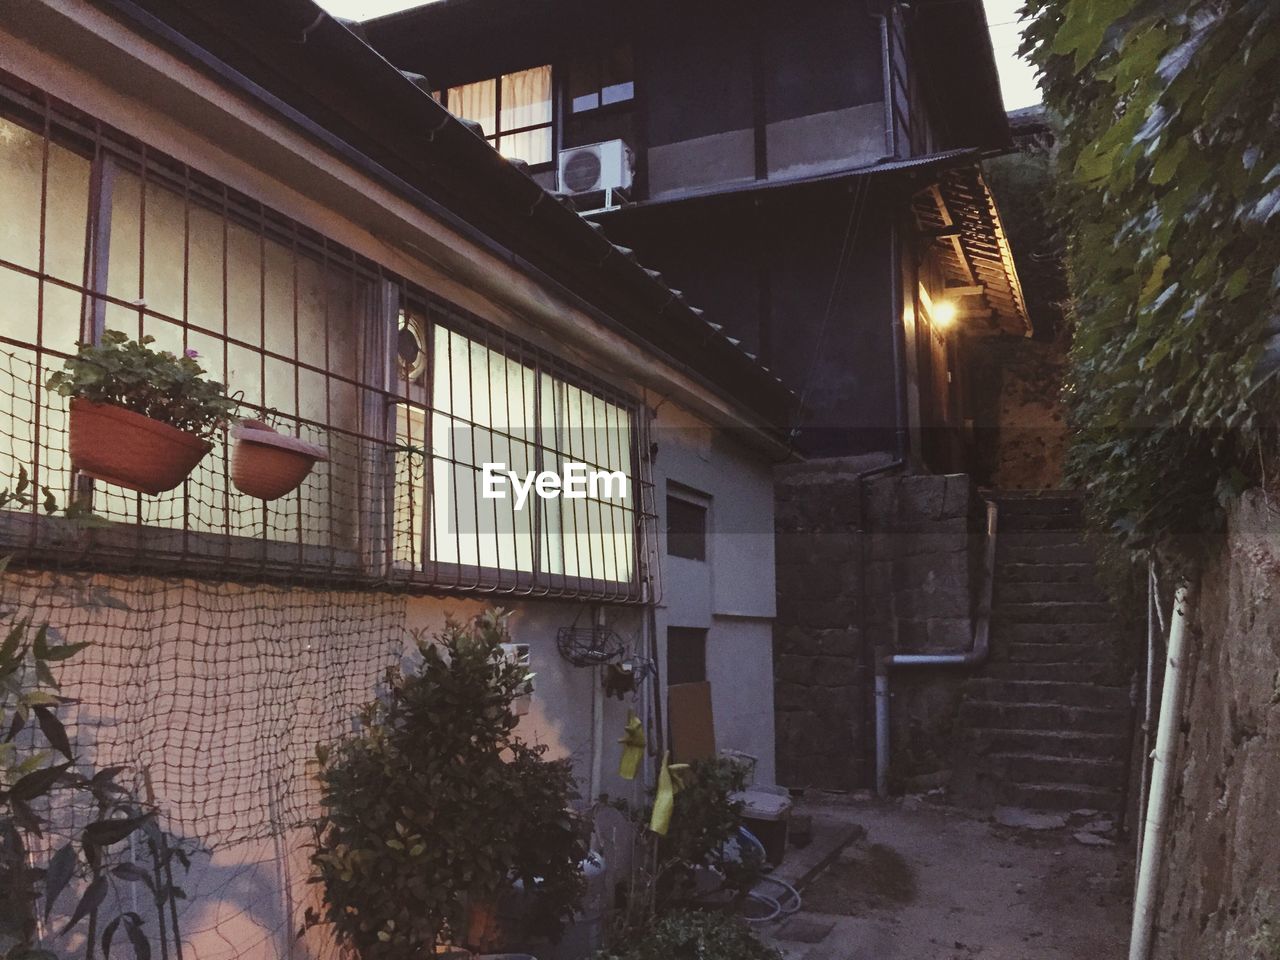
(927, 882)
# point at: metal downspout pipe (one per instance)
(1160, 800)
(974, 656)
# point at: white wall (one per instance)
(732, 594)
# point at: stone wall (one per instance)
(1220, 882)
(1019, 420)
(882, 563)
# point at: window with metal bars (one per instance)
(410, 394)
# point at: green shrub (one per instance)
(704, 822)
(436, 802)
(1169, 182)
(695, 935)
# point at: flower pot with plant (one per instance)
(266, 464)
(140, 418)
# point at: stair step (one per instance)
(1084, 669)
(1000, 714)
(1009, 573)
(1041, 592)
(1029, 501)
(1085, 653)
(1011, 539)
(1036, 768)
(1100, 636)
(1057, 612)
(1053, 743)
(1038, 550)
(1072, 694)
(1064, 520)
(1062, 796)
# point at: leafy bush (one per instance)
(704, 818)
(40, 771)
(154, 383)
(436, 803)
(693, 934)
(704, 827)
(1170, 181)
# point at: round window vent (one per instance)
(411, 346)
(582, 171)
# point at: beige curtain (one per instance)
(475, 101)
(526, 102)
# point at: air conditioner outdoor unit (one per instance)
(596, 166)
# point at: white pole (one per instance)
(1162, 780)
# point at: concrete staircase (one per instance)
(1048, 718)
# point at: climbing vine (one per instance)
(1169, 173)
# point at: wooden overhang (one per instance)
(958, 214)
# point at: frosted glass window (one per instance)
(488, 407)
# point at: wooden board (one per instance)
(693, 730)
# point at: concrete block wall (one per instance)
(821, 669)
(883, 563)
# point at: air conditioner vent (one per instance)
(595, 166)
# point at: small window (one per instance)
(599, 81)
(686, 655)
(686, 528)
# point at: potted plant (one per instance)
(140, 418)
(437, 813)
(266, 464)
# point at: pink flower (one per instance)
(191, 353)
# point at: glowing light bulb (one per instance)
(943, 314)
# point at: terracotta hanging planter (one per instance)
(119, 446)
(266, 464)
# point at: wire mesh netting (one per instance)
(410, 395)
(230, 635)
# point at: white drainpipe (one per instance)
(1155, 628)
(1160, 800)
(974, 656)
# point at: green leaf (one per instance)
(53, 731)
(1237, 283)
(1167, 162)
(103, 833)
(65, 651)
(62, 867)
(92, 899)
(37, 784)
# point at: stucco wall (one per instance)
(1221, 878)
(731, 595)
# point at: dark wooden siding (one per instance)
(769, 271)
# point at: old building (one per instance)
(810, 175)
(255, 184)
(807, 174)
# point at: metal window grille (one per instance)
(410, 394)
